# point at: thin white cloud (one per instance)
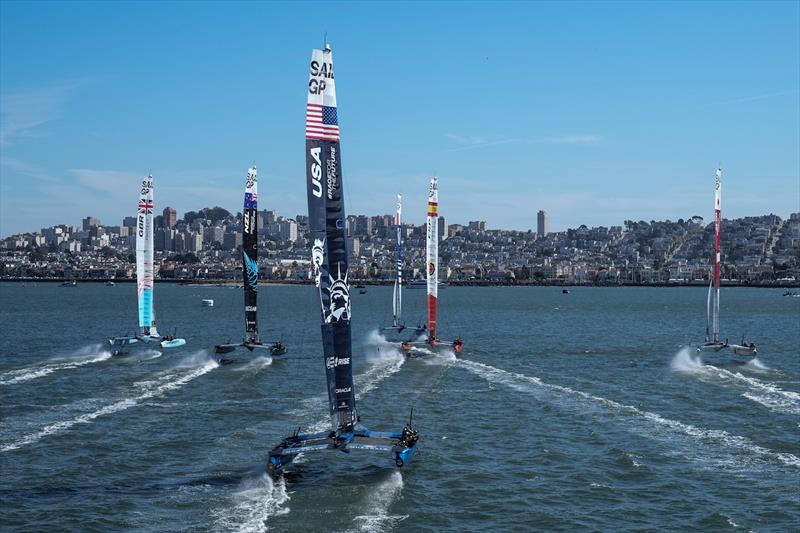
(575, 139)
(22, 113)
(744, 99)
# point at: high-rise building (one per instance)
(442, 230)
(129, 222)
(90, 222)
(479, 225)
(542, 223)
(170, 217)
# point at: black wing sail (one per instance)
(250, 257)
(326, 220)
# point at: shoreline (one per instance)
(472, 283)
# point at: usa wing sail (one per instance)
(145, 271)
(250, 256)
(432, 254)
(326, 219)
(397, 302)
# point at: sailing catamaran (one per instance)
(397, 293)
(252, 341)
(326, 226)
(713, 341)
(432, 261)
(145, 275)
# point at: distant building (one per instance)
(90, 222)
(129, 222)
(479, 225)
(442, 229)
(542, 223)
(170, 217)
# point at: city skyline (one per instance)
(564, 113)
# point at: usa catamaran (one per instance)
(145, 274)
(252, 341)
(713, 341)
(432, 261)
(326, 226)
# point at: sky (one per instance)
(596, 112)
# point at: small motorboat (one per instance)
(564, 291)
(172, 342)
(72, 283)
(207, 302)
(277, 348)
(362, 291)
(110, 283)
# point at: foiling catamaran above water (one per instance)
(432, 269)
(713, 341)
(326, 226)
(252, 341)
(145, 275)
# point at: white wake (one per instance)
(148, 389)
(761, 392)
(85, 356)
(657, 423)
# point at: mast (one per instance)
(432, 255)
(717, 251)
(250, 256)
(326, 224)
(397, 303)
(144, 258)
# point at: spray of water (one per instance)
(380, 499)
(687, 360)
(254, 502)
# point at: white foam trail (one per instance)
(377, 517)
(766, 394)
(150, 389)
(27, 374)
(257, 363)
(721, 438)
(254, 503)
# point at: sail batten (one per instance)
(250, 256)
(432, 254)
(326, 222)
(145, 269)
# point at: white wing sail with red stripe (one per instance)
(432, 254)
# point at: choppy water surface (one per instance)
(577, 411)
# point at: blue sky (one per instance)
(596, 112)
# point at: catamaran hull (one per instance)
(403, 445)
(744, 350)
(712, 347)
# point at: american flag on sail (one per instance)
(321, 123)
